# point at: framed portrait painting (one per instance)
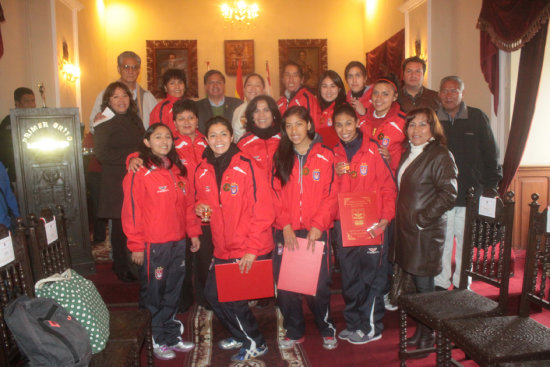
(170, 54)
(310, 54)
(235, 50)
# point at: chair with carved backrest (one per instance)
(485, 257)
(495, 341)
(15, 280)
(125, 326)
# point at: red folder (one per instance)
(358, 212)
(300, 268)
(234, 286)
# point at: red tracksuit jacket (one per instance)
(309, 198)
(242, 208)
(158, 207)
(261, 150)
(365, 100)
(368, 173)
(163, 113)
(190, 152)
(304, 98)
(388, 131)
(325, 128)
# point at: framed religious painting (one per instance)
(238, 50)
(310, 54)
(170, 54)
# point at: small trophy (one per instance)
(42, 91)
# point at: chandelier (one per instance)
(240, 12)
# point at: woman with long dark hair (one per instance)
(427, 185)
(331, 93)
(305, 205)
(233, 194)
(114, 139)
(157, 214)
(263, 126)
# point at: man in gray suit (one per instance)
(215, 103)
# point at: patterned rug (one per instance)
(207, 331)
(102, 251)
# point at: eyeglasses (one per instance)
(130, 67)
(450, 91)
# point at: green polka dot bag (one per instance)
(81, 299)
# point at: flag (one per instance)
(2, 19)
(239, 92)
(268, 77)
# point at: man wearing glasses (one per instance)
(216, 102)
(129, 64)
(470, 139)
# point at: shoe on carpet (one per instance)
(163, 352)
(387, 303)
(182, 346)
(345, 334)
(287, 343)
(359, 337)
(247, 354)
(330, 342)
(229, 343)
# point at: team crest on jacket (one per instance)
(316, 175)
(234, 189)
(159, 272)
(305, 171)
(381, 136)
(363, 169)
(385, 141)
(353, 174)
(226, 186)
(181, 185)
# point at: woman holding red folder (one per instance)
(233, 193)
(361, 168)
(305, 205)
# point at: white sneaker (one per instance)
(182, 346)
(163, 352)
(387, 303)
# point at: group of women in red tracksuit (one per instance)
(280, 182)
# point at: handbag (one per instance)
(401, 283)
(81, 299)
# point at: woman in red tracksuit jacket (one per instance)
(359, 94)
(331, 93)
(263, 126)
(233, 193)
(361, 168)
(305, 205)
(174, 83)
(385, 120)
(157, 214)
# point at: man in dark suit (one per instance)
(215, 103)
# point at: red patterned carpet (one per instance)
(206, 331)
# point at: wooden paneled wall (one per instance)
(528, 180)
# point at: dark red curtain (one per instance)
(510, 25)
(506, 25)
(386, 58)
(530, 68)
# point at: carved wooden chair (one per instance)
(485, 257)
(15, 280)
(124, 326)
(494, 341)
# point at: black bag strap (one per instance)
(61, 337)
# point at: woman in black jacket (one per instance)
(114, 139)
(427, 189)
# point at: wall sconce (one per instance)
(240, 12)
(70, 72)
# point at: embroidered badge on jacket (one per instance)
(159, 272)
(316, 175)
